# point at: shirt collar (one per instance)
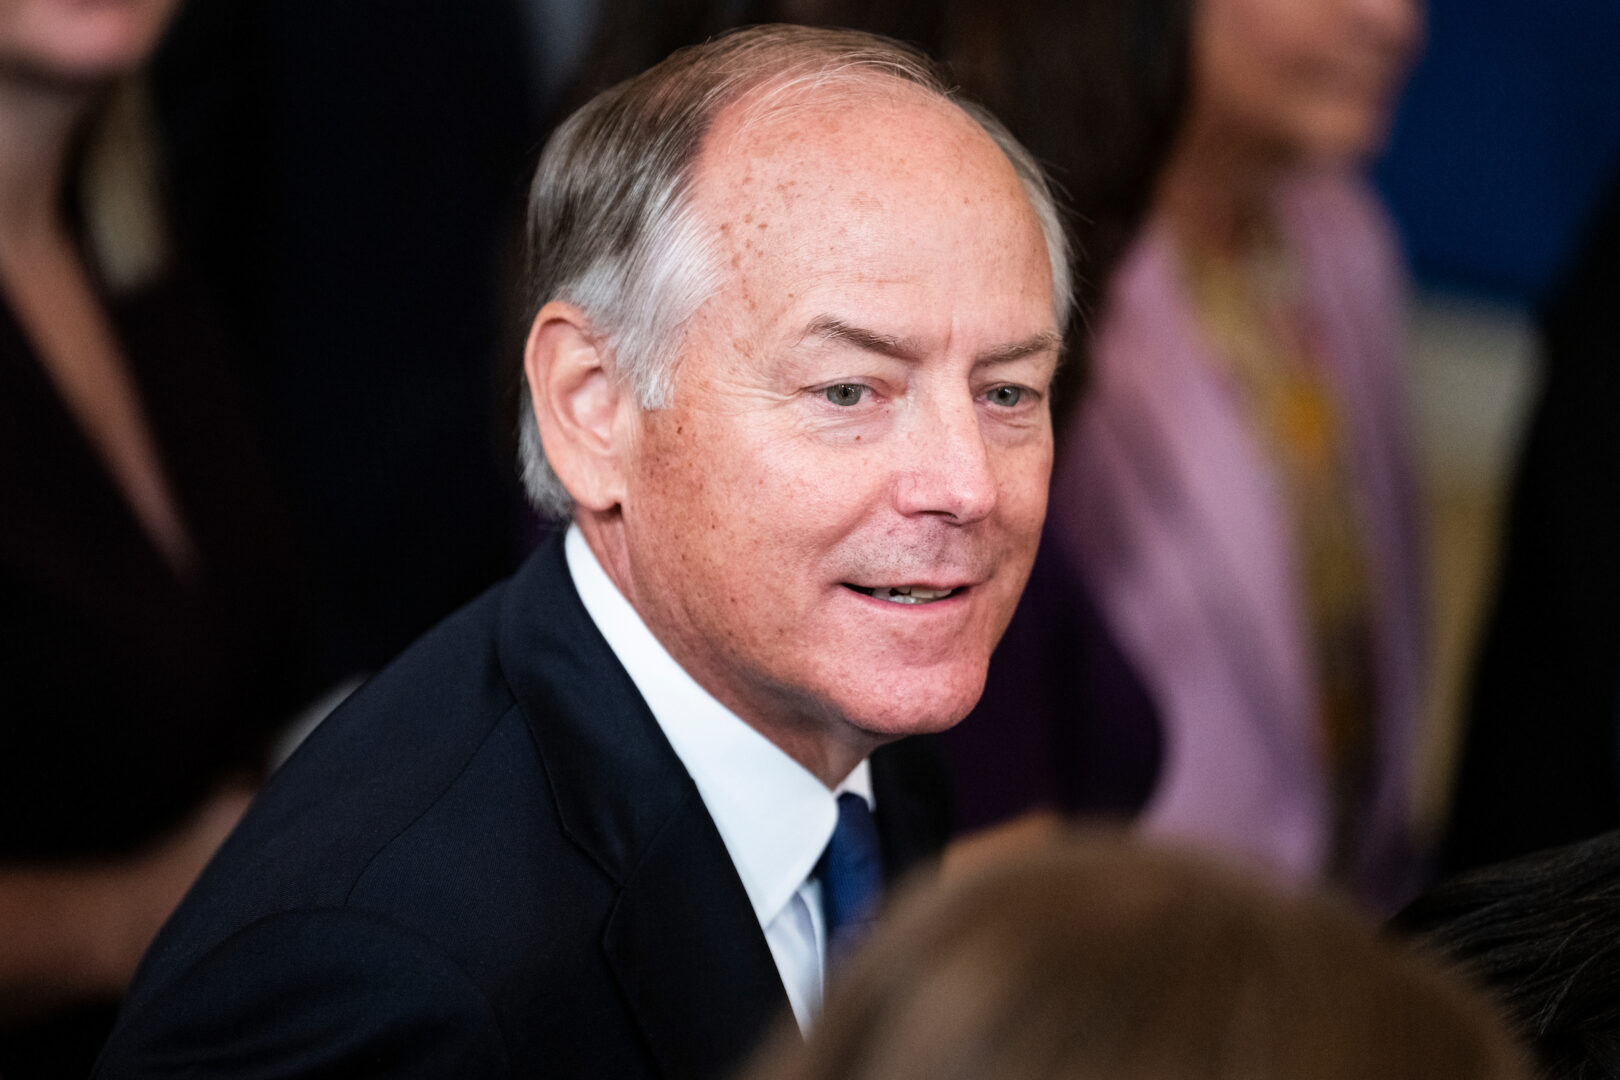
(774, 816)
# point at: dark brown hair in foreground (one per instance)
(1093, 958)
(1543, 932)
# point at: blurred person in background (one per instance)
(150, 640)
(1092, 959)
(348, 181)
(1235, 492)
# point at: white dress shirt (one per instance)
(774, 816)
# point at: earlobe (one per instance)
(577, 402)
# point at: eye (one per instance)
(845, 394)
(1006, 396)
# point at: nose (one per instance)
(947, 468)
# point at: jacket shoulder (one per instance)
(330, 992)
(380, 763)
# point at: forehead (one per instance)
(802, 123)
(882, 186)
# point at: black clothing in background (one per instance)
(127, 693)
(350, 178)
(1541, 760)
(1064, 723)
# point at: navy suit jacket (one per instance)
(489, 862)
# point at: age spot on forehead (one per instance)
(866, 200)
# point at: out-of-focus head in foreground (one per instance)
(1543, 932)
(1092, 958)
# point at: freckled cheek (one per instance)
(1023, 473)
(680, 510)
(812, 480)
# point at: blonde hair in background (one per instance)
(1095, 959)
(119, 190)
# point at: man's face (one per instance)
(861, 408)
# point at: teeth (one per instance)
(929, 594)
(911, 594)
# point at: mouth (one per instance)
(904, 594)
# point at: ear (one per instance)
(581, 409)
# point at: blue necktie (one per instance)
(851, 872)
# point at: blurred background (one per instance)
(1504, 143)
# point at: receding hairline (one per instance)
(771, 62)
(775, 100)
(778, 97)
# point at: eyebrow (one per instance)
(833, 329)
(1043, 342)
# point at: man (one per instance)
(797, 317)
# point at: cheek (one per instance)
(810, 491)
(1025, 480)
(722, 502)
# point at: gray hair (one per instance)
(611, 225)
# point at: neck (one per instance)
(1216, 191)
(825, 746)
(38, 122)
(809, 743)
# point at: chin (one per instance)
(916, 706)
(1345, 136)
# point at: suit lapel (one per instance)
(689, 954)
(682, 939)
